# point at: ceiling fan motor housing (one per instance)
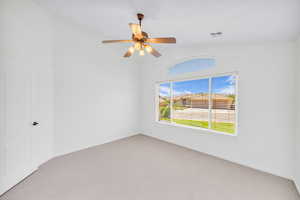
(140, 16)
(145, 36)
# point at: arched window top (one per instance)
(192, 65)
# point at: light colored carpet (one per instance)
(143, 168)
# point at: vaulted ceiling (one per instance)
(190, 21)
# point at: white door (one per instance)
(41, 114)
(27, 99)
(26, 80)
(18, 128)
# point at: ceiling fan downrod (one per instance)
(140, 17)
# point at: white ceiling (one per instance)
(190, 21)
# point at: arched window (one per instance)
(192, 65)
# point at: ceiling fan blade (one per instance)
(114, 41)
(136, 30)
(128, 54)
(161, 40)
(155, 53)
(151, 50)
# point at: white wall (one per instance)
(266, 104)
(297, 141)
(96, 90)
(26, 89)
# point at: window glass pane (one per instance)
(192, 65)
(190, 103)
(164, 101)
(223, 104)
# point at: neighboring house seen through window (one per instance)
(208, 103)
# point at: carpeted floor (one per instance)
(143, 168)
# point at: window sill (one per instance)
(195, 128)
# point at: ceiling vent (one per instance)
(216, 34)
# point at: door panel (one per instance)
(42, 113)
(17, 127)
(26, 46)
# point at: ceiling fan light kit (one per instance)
(142, 52)
(141, 40)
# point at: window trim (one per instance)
(210, 76)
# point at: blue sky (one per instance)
(189, 87)
(221, 85)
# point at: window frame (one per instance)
(210, 76)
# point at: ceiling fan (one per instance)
(141, 40)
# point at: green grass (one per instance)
(217, 126)
(165, 119)
(202, 124)
(223, 127)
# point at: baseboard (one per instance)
(4, 188)
(94, 145)
(219, 157)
